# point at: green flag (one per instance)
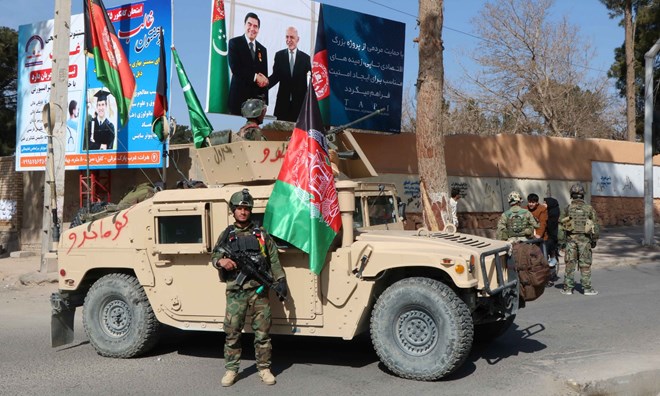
(217, 89)
(200, 125)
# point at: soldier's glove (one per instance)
(280, 288)
(593, 244)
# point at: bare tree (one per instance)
(531, 77)
(430, 138)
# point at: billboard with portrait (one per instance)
(110, 144)
(365, 69)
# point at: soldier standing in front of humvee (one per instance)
(245, 236)
(581, 231)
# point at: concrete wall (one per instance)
(487, 168)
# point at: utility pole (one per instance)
(56, 114)
(434, 193)
(649, 59)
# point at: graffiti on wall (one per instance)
(7, 209)
(621, 180)
(410, 195)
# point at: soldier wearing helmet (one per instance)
(516, 224)
(579, 223)
(254, 110)
(246, 236)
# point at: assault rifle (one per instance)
(254, 267)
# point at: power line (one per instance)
(445, 27)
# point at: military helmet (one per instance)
(577, 190)
(514, 197)
(253, 108)
(241, 198)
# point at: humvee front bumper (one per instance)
(500, 267)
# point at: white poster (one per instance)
(621, 180)
(35, 63)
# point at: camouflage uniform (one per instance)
(509, 232)
(249, 131)
(581, 233)
(241, 300)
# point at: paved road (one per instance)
(592, 342)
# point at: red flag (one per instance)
(112, 66)
(159, 121)
(320, 76)
(303, 208)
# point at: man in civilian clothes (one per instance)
(290, 71)
(248, 61)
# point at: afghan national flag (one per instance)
(218, 81)
(320, 76)
(303, 208)
(112, 66)
(200, 125)
(159, 122)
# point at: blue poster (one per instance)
(365, 67)
(133, 145)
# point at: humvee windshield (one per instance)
(379, 210)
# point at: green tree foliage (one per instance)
(8, 76)
(646, 34)
(182, 135)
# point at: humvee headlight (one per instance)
(460, 268)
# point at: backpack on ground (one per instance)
(533, 270)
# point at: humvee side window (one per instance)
(357, 214)
(180, 229)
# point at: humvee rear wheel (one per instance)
(420, 329)
(118, 318)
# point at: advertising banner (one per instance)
(365, 68)
(365, 61)
(111, 145)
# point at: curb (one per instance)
(37, 278)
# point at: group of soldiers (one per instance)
(578, 234)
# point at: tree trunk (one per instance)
(430, 137)
(630, 71)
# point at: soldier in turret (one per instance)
(581, 231)
(254, 110)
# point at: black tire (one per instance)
(79, 217)
(487, 332)
(421, 330)
(118, 318)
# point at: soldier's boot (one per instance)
(566, 291)
(267, 377)
(229, 378)
(590, 292)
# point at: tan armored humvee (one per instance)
(421, 295)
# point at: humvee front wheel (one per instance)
(118, 318)
(420, 329)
